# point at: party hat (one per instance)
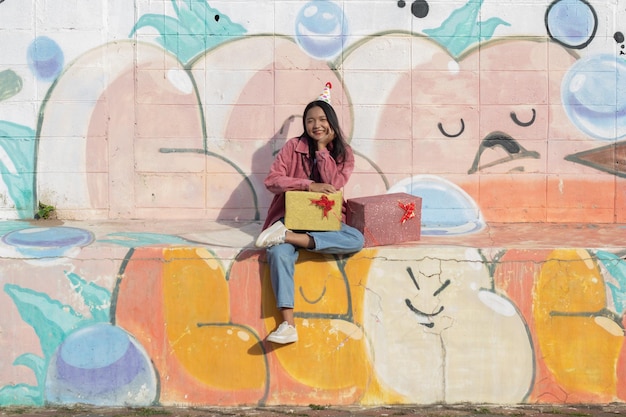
(325, 96)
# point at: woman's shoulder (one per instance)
(294, 139)
(293, 146)
(299, 143)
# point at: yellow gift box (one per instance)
(306, 210)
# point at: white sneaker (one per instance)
(285, 333)
(273, 235)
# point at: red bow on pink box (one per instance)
(409, 211)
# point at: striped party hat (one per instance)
(325, 96)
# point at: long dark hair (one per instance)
(338, 151)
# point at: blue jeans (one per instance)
(282, 258)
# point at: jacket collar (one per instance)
(303, 145)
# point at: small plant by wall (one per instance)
(45, 211)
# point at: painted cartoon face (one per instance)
(330, 356)
(434, 315)
(490, 120)
(425, 301)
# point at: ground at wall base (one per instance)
(460, 410)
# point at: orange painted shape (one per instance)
(244, 283)
(329, 362)
(200, 355)
(195, 290)
(357, 269)
(218, 355)
(580, 354)
(138, 305)
(321, 289)
(621, 369)
(515, 275)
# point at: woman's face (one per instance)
(317, 126)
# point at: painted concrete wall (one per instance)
(491, 111)
(122, 315)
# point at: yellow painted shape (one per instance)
(224, 356)
(331, 350)
(196, 301)
(195, 290)
(581, 354)
(357, 269)
(330, 354)
(320, 287)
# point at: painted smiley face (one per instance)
(426, 318)
(435, 315)
(330, 355)
(468, 119)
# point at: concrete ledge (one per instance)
(241, 235)
(137, 312)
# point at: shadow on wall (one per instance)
(244, 205)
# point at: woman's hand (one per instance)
(323, 142)
(320, 187)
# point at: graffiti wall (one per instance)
(162, 112)
(175, 108)
(111, 317)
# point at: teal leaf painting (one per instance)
(36, 363)
(21, 394)
(463, 29)
(32, 361)
(616, 267)
(10, 84)
(51, 320)
(17, 165)
(196, 28)
(97, 299)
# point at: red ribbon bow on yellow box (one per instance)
(324, 203)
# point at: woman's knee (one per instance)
(356, 236)
(282, 251)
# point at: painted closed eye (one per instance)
(517, 121)
(451, 135)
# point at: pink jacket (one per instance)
(291, 171)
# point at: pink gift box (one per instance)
(386, 219)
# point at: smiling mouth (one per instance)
(423, 318)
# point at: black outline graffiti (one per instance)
(619, 39)
(417, 311)
(509, 144)
(523, 124)
(419, 8)
(451, 135)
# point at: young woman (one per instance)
(319, 160)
